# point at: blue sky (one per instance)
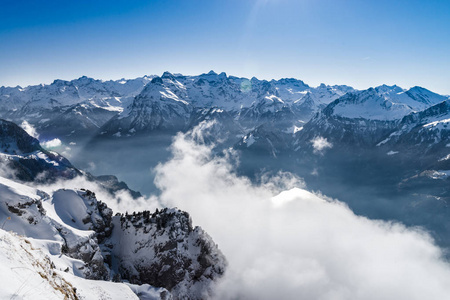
(356, 42)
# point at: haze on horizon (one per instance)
(358, 43)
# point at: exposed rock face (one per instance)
(266, 139)
(96, 217)
(163, 249)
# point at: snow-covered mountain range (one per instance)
(85, 108)
(79, 108)
(363, 118)
(74, 107)
(390, 144)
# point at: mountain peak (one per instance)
(389, 89)
(423, 95)
(213, 76)
(418, 88)
(85, 78)
(167, 74)
(59, 82)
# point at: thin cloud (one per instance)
(29, 129)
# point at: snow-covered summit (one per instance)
(384, 103)
(370, 105)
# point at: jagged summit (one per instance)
(168, 75)
(386, 89)
(212, 76)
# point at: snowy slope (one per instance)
(417, 98)
(78, 235)
(369, 105)
(385, 103)
(27, 272)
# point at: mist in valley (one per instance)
(368, 184)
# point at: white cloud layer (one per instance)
(51, 144)
(320, 144)
(295, 244)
